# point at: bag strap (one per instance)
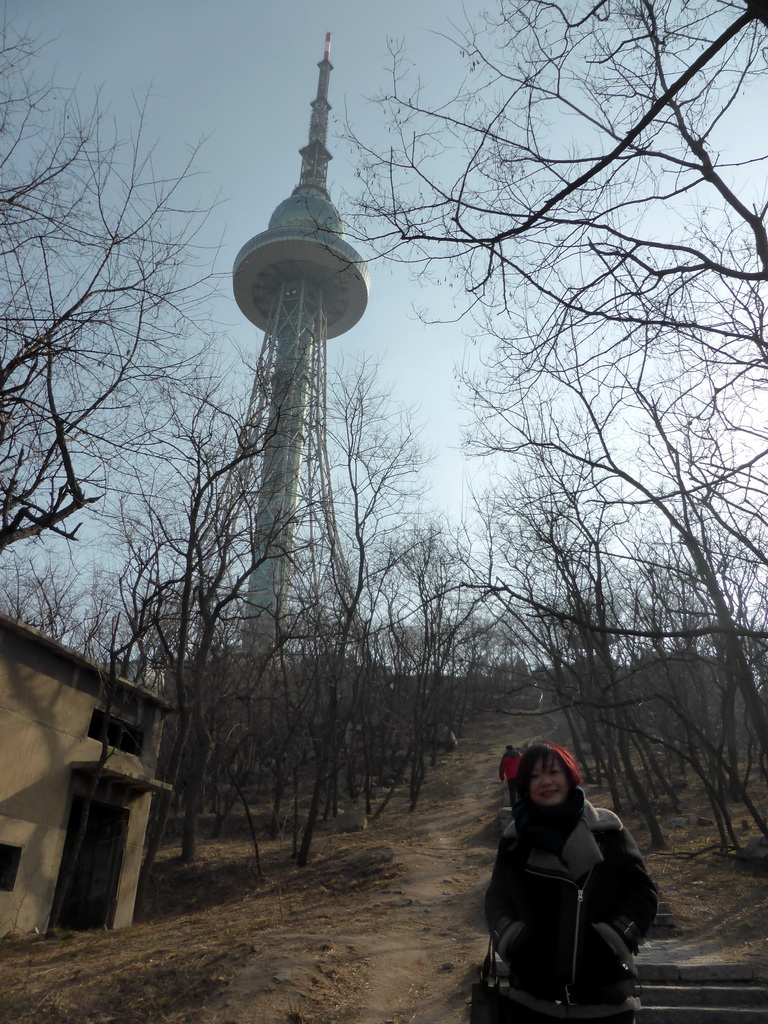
(488, 970)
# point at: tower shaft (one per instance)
(293, 344)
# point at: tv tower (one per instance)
(301, 283)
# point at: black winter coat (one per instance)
(561, 934)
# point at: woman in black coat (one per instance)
(569, 899)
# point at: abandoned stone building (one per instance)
(57, 716)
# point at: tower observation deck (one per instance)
(300, 282)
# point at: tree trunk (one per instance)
(195, 786)
(160, 819)
(320, 780)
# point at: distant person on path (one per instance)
(569, 900)
(510, 762)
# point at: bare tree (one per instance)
(190, 533)
(98, 286)
(617, 219)
(379, 461)
(431, 620)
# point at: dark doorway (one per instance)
(92, 895)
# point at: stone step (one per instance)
(702, 1015)
(705, 995)
(683, 989)
(664, 921)
(690, 973)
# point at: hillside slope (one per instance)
(383, 925)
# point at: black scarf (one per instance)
(548, 828)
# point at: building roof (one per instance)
(41, 640)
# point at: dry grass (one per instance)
(209, 920)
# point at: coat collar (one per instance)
(600, 819)
(581, 852)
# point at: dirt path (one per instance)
(424, 961)
(411, 954)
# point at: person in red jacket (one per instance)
(510, 762)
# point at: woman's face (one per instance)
(548, 786)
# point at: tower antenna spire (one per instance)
(315, 155)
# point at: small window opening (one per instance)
(120, 735)
(10, 856)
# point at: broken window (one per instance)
(120, 735)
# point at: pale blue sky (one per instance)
(241, 75)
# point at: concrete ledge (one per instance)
(702, 1015)
(704, 995)
(705, 973)
(716, 972)
(669, 973)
